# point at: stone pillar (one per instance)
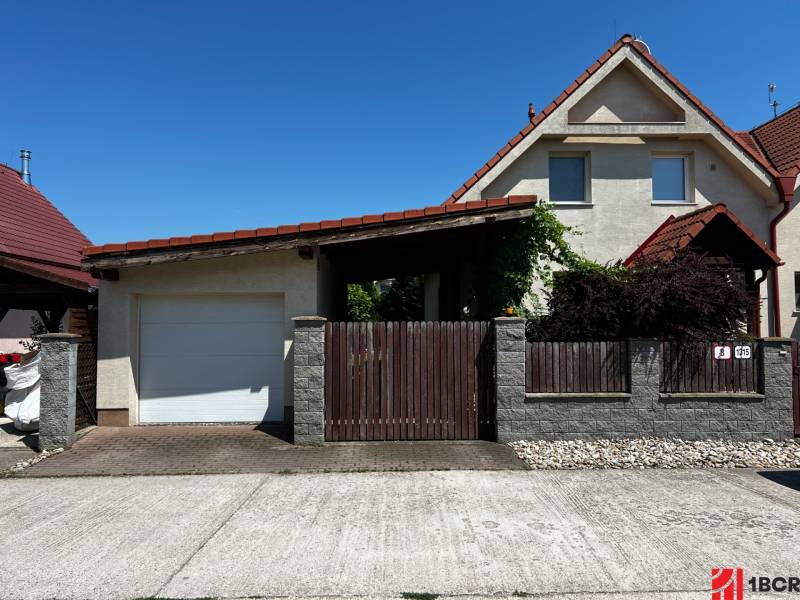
(509, 379)
(59, 375)
(776, 384)
(308, 380)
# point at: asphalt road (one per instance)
(629, 534)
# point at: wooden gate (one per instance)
(408, 381)
(796, 385)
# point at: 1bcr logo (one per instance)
(727, 583)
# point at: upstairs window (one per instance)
(568, 179)
(797, 291)
(670, 179)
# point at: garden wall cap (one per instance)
(60, 337)
(310, 318)
(509, 319)
(778, 339)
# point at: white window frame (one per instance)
(688, 196)
(587, 178)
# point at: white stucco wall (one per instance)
(276, 272)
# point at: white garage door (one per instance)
(207, 359)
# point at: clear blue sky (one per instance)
(153, 119)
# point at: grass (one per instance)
(419, 596)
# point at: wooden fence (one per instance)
(692, 368)
(576, 367)
(408, 381)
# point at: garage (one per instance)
(211, 359)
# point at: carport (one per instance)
(155, 363)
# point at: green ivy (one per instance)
(526, 256)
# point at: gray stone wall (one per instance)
(308, 380)
(646, 412)
(509, 377)
(58, 371)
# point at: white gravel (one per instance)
(39, 457)
(657, 453)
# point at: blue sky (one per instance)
(153, 119)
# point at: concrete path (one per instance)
(630, 534)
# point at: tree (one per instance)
(403, 301)
(362, 299)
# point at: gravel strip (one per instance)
(39, 457)
(657, 453)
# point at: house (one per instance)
(199, 328)
(40, 263)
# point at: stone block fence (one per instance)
(640, 408)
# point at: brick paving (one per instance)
(173, 450)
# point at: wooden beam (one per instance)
(105, 274)
(321, 239)
(19, 289)
(52, 318)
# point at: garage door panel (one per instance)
(211, 359)
(206, 339)
(230, 406)
(226, 372)
(212, 309)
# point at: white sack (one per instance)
(23, 407)
(21, 376)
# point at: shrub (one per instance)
(684, 299)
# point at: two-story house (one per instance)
(199, 328)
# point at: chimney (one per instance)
(25, 155)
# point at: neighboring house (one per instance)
(40, 256)
(199, 328)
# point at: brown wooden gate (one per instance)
(408, 381)
(796, 385)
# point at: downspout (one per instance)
(786, 192)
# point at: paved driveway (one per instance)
(185, 449)
(640, 534)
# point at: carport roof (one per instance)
(288, 236)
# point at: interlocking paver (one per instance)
(180, 449)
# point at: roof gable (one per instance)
(678, 233)
(522, 140)
(35, 235)
(624, 96)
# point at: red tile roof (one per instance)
(625, 40)
(329, 226)
(35, 237)
(676, 233)
(779, 140)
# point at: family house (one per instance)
(626, 154)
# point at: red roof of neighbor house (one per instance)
(330, 226)
(779, 140)
(676, 233)
(35, 237)
(625, 40)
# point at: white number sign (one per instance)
(743, 352)
(722, 352)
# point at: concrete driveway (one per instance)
(642, 534)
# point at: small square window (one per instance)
(669, 179)
(797, 291)
(567, 179)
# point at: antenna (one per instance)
(772, 102)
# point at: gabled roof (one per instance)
(311, 230)
(631, 42)
(35, 238)
(677, 233)
(779, 140)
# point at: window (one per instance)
(568, 179)
(669, 179)
(797, 291)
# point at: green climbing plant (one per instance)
(524, 260)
